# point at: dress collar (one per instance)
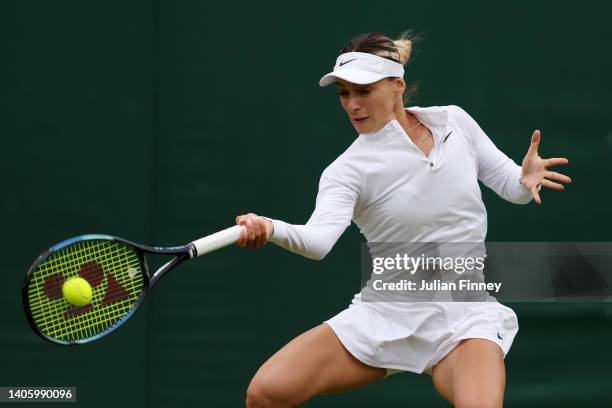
(435, 117)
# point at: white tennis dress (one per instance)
(395, 193)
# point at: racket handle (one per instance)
(217, 240)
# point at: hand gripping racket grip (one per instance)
(217, 240)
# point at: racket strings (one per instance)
(115, 274)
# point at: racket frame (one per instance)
(182, 253)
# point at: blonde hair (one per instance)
(398, 50)
(404, 47)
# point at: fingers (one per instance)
(552, 184)
(557, 176)
(263, 235)
(255, 231)
(535, 142)
(549, 184)
(536, 195)
(555, 161)
(243, 234)
(254, 235)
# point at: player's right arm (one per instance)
(333, 213)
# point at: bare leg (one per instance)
(313, 363)
(472, 375)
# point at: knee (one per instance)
(259, 395)
(264, 394)
(475, 401)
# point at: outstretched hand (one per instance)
(536, 173)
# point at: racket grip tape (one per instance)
(217, 240)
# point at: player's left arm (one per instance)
(514, 183)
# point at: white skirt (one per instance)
(415, 336)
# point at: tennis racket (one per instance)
(116, 272)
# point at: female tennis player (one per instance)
(411, 175)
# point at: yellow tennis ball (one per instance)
(77, 291)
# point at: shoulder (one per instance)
(446, 114)
(348, 167)
(462, 120)
(461, 117)
(457, 119)
(439, 111)
(451, 111)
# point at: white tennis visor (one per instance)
(362, 68)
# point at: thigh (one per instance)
(311, 364)
(472, 374)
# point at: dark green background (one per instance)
(161, 121)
